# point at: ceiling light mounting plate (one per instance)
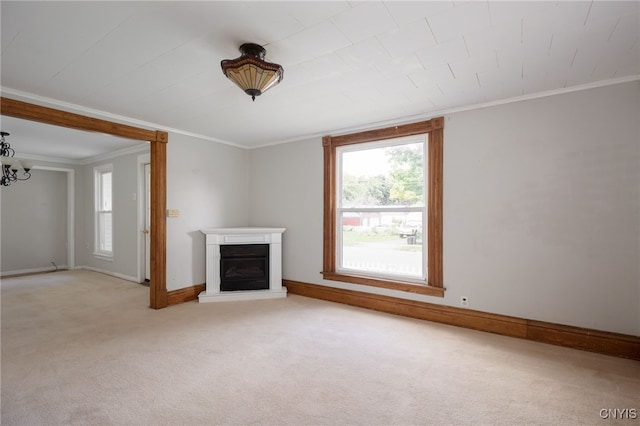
(253, 49)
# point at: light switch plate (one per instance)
(173, 212)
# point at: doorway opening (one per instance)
(144, 219)
(158, 187)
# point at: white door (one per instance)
(147, 222)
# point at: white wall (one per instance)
(541, 209)
(34, 223)
(208, 183)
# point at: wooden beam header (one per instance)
(27, 111)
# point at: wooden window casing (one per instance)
(435, 130)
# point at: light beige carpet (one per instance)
(80, 348)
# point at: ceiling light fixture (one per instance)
(11, 166)
(250, 72)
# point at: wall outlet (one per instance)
(464, 301)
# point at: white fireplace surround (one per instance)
(215, 237)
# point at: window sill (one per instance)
(392, 285)
(103, 256)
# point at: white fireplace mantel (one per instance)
(215, 237)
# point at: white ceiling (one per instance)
(348, 64)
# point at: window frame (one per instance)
(343, 150)
(99, 172)
(434, 129)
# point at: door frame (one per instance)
(70, 175)
(158, 141)
(142, 162)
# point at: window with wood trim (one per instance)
(383, 207)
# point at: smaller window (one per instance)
(104, 211)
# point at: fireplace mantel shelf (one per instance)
(216, 237)
(224, 231)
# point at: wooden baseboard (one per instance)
(182, 295)
(614, 344)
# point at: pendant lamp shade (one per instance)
(250, 72)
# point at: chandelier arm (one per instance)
(24, 173)
(6, 150)
(11, 167)
(8, 175)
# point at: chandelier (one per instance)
(12, 169)
(250, 72)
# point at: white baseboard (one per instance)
(113, 274)
(33, 270)
(65, 267)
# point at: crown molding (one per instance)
(44, 158)
(447, 111)
(41, 100)
(88, 160)
(79, 109)
(114, 154)
(506, 101)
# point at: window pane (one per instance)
(104, 206)
(383, 176)
(374, 177)
(383, 242)
(106, 191)
(392, 261)
(105, 242)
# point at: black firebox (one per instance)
(244, 267)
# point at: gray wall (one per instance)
(125, 218)
(208, 182)
(541, 209)
(34, 223)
